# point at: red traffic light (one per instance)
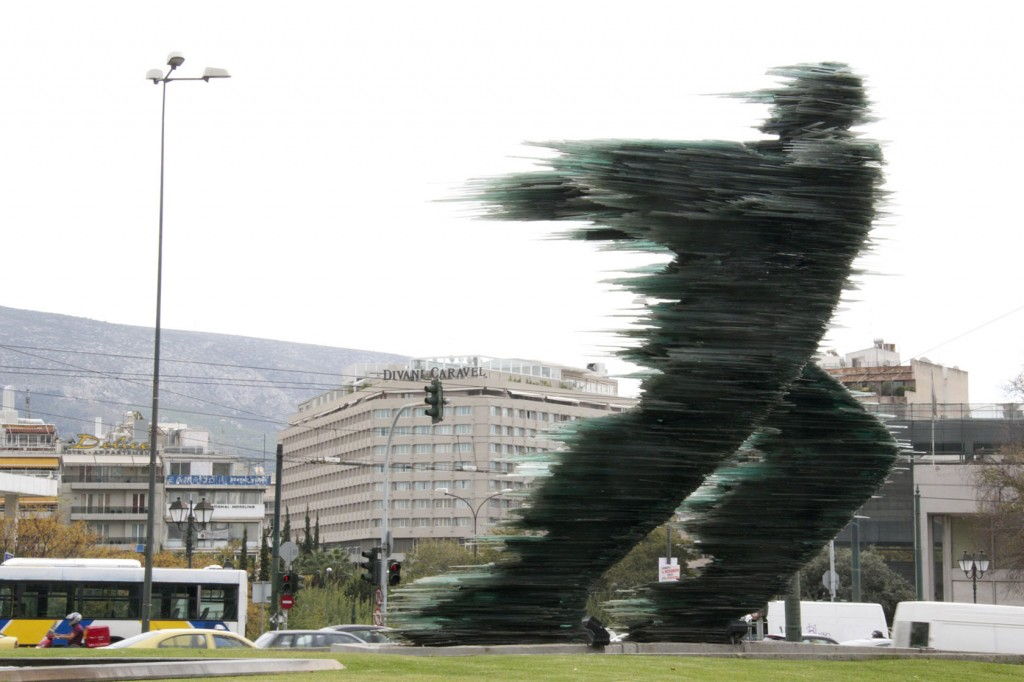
(394, 573)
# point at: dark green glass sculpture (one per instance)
(761, 236)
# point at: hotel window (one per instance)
(443, 430)
(463, 410)
(421, 485)
(423, 449)
(508, 411)
(494, 447)
(442, 448)
(463, 429)
(463, 448)
(442, 484)
(460, 485)
(401, 449)
(495, 411)
(421, 504)
(421, 430)
(381, 414)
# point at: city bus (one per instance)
(36, 595)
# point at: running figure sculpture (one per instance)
(761, 238)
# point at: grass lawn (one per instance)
(590, 667)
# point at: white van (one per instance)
(839, 620)
(952, 626)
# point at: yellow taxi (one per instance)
(184, 638)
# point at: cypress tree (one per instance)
(264, 573)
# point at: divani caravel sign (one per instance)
(432, 373)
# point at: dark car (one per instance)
(371, 634)
(305, 639)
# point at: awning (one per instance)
(29, 462)
(523, 394)
(24, 501)
(560, 399)
(123, 460)
(31, 429)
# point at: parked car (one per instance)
(305, 639)
(184, 638)
(371, 634)
(872, 641)
(805, 639)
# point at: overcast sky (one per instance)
(304, 194)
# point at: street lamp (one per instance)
(475, 510)
(190, 515)
(974, 567)
(174, 60)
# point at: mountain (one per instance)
(71, 370)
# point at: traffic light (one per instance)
(371, 566)
(296, 582)
(287, 586)
(394, 572)
(435, 398)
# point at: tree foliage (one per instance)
(1000, 485)
(878, 583)
(49, 537)
(639, 568)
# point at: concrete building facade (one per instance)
(917, 387)
(445, 479)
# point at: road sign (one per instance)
(668, 570)
(288, 551)
(287, 601)
(260, 592)
(830, 580)
(378, 618)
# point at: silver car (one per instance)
(305, 639)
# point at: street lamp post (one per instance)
(474, 510)
(974, 567)
(174, 60)
(190, 515)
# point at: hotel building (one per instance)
(469, 470)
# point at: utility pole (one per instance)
(918, 573)
(855, 560)
(794, 628)
(275, 605)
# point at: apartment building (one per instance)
(29, 447)
(105, 484)
(448, 479)
(913, 388)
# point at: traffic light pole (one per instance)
(385, 533)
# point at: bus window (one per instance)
(113, 600)
(6, 600)
(172, 601)
(218, 602)
(42, 600)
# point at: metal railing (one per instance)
(944, 411)
(108, 510)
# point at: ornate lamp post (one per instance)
(974, 567)
(190, 515)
